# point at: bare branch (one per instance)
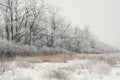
(4, 5)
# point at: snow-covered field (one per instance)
(92, 68)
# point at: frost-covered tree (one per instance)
(21, 18)
(33, 22)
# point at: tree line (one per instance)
(34, 22)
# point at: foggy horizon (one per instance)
(102, 16)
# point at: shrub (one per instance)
(101, 68)
(49, 50)
(10, 49)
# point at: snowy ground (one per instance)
(77, 69)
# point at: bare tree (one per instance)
(19, 17)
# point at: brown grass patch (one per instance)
(65, 58)
(47, 58)
(57, 58)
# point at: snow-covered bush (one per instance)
(57, 74)
(23, 64)
(111, 59)
(101, 68)
(49, 50)
(10, 49)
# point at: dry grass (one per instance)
(54, 58)
(64, 58)
(57, 74)
(57, 58)
(47, 58)
(5, 67)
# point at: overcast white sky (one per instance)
(103, 17)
